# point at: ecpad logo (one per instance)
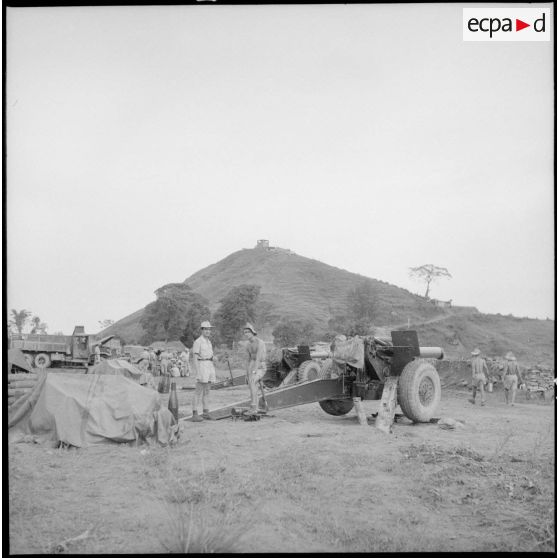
(506, 24)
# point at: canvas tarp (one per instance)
(134, 351)
(350, 352)
(83, 410)
(16, 358)
(118, 366)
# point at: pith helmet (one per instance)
(510, 356)
(206, 325)
(475, 352)
(250, 327)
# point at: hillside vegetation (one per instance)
(297, 287)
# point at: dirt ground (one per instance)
(298, 480)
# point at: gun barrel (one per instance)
(431, 352)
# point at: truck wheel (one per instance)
(308, 370)
(336, 407)
(419, 391)
(42, 360)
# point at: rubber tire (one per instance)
(309, 370)
(42, 360)
(336, 407)
(326, 369)
(419, 391)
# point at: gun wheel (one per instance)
(326, 369)
(336, 407)
(309, 370)
(42, 360)
(419, 391)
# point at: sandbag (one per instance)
(21, 376)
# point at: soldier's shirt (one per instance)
(203, 351)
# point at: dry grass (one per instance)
(506, 492)
(199, 505)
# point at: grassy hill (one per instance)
(298, 287)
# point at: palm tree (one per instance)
(38, 326)
(19, 319)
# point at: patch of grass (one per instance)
(200, 506)
(513, 497)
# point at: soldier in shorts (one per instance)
(479, 371)
(511, 374)
(255, 367)
(205, 372)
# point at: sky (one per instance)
(145, 143)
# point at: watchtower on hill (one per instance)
(263, 244)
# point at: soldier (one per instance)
(164, 359)
(97, 354)
(512, 374)
(480, 375)
(204, 370)
(255, 367)
(152, 362)
(184, 358)
(143, 362)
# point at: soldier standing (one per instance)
(204, 370)
(512, 374)
(255, 367)
(479, 370)
(184, 358)
(97, 352)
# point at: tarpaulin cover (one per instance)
(124, 368)
(350, 352)
(117, 366)
(16, 358)
(134, 351)
(82, 410)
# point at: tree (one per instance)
(361, 308)
(19, 319)
(288, 333)
(236, 308)
(38, 326)
(362, 301)
(176, 314)
(428, 273)
(103, 324)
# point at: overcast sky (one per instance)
(145, 143)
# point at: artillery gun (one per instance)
(361, 368)
(297, 364)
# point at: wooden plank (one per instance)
(360, 411)
(386, 412)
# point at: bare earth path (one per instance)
(298, 481)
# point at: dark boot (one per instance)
(196, 417)
(206, 415)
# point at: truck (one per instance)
(395, 370)
(76, 350)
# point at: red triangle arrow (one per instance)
(519, 25)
